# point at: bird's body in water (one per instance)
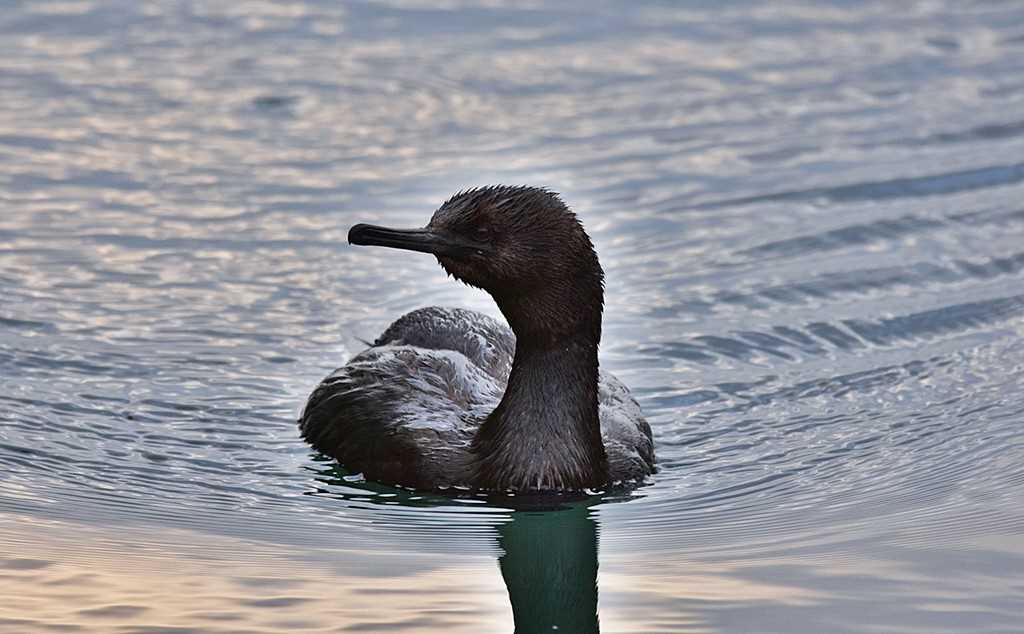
(450, 397)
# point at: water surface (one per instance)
(810, 219)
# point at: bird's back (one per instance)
(405, 410)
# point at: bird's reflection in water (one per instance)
(549, 564)
(548, 547)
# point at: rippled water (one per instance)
(810, 218)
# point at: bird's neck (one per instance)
(562, 311)
(545, 433)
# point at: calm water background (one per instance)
(810, 217)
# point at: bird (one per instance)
(452, 398)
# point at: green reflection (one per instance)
(549, 544)
(550, 569)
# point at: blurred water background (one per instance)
(811, 222)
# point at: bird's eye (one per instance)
(482, 233)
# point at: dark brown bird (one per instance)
(450, 397)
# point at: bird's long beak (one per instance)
(423, 240)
